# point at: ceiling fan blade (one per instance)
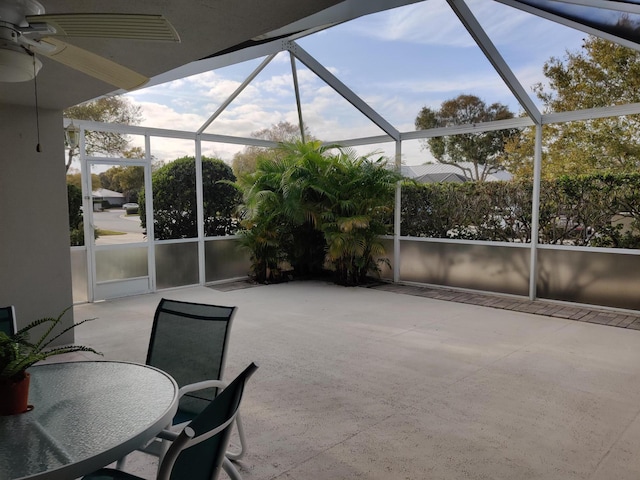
(92, 64)
(109, 25)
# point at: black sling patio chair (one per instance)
(198, 451)
(189, 341)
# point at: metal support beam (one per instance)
(344, 91)
(591, 113)
(296, 87)
(397, 217)
(255, 142)
(355, 142)
(491, 52)
(237, 92)
(518, 122)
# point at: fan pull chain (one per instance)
(35, 87)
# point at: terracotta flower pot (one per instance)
(14, 395)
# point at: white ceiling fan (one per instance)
(26, 30)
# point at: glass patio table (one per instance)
(85, 415)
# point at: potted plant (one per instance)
(18, 353)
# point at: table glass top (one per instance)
(80, 410)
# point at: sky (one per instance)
(398, 61)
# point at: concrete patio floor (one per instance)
(363, 383)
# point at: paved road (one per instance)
(116, 220)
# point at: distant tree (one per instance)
(245, 161)
(128, 180)
(107, 110)
(174, 199)
(483, 150)
(601, 74)
(76, 180)
(108, 178)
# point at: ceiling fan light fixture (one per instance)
(16, 66)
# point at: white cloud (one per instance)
(435, 23)
(163, 116)
(431, 22)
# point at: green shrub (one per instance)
(76, 228)
(311, 207)
(174, 200)
(576, 210)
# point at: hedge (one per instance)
(595, 210)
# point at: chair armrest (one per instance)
(168, 435)
(194, 387)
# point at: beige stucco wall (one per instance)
(35, 272)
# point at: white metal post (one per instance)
(397, 217)
(148, 205)
(87, 215)
(200, 212)
(535, 213)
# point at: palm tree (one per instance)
(312, 207)
(360, 213)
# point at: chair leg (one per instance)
(164, 447)
(237, 455)
(231, 470)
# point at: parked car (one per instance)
(131, 208)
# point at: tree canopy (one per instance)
(76, 180)
(174, 199)
(246, 160)
(600, 74)
(484, 151)
(106, 110)
(128, 180)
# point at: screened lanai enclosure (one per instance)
(562, 271)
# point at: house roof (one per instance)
(441, 172)
(104, 192)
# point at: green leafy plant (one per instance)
(316, 208)
(174, 199)
(18, 352)
(581, 210)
